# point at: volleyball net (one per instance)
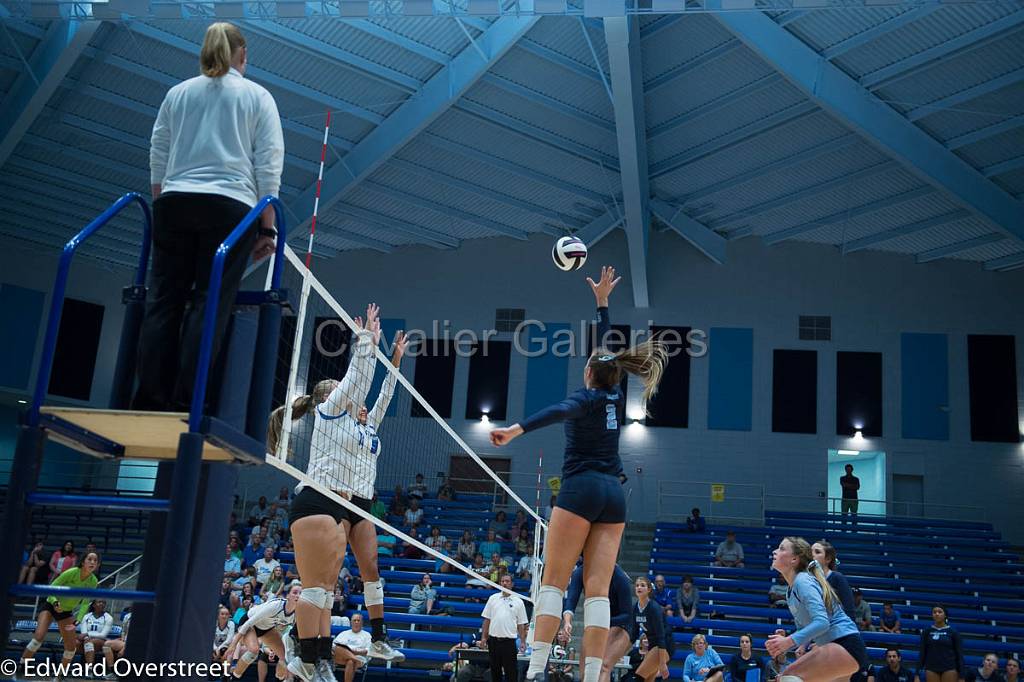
(369, 409)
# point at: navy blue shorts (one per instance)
(595, 496)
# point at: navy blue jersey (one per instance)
(841, 586)
(620, 596)
(592, 418)
(649, 620)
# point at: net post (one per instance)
(293, 369)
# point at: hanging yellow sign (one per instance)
(555, 483)
(717, 492)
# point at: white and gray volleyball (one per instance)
(569, 253)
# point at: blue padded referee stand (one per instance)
(173, 606)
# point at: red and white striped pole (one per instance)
(319, 181)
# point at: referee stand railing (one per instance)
(170, 595)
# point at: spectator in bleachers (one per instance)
(265, 567)
(259, 510)
(825, 554)
(729, 552)
(687, 600)
(340, 604)
(242, 611)
(500, 525)
(704, 663)
(377, 508)
(467, 547)
(778, 594)
(527, 564)
(861, 611)
(519, 523)
(236, 527)
(274, 585)
(443, 566)
(422, 596)
(62, 559)
(386, 543)
(225, 593)
(490, 545)
(479, 567)
(893, 670)
(417, 490)
(243, 589)
(988, 672)
(435, 540)
(253, 551)
(35, 560)
(413, 515)
(446, 491)
(223, 633)
(941, 654)
(352, 647)
(284, 496)
(745, 660)
(497, 568)
(850, 485)
(504, 617)
(889, 621)
(409, 550)
(776, 666)
(1012, 670)
(550, 508)
(695, 522)
(664, 596)
(523, 543)
(232, 566)
(558, 671)
(236, 547)
(93, 630)
(398, 503)
(467, 670)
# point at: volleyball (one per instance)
(569, 253)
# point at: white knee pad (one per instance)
(33, 645)
(373, 593)
(88, 647)
(69, 654)
(248, 657)
(790, 678)
(107, 649)
(317, 596)
(549, 601)
(597, 612)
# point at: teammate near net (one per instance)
(590, 511)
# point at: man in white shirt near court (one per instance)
(504, 619)
(351, 648)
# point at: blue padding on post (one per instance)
(547, 373)
(61, 591)
(730, 382)
(99, 501)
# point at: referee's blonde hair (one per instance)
(219, 45)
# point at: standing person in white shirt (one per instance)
(351, 648)
(93, 630)
(265, 567)
(216, 149)
(504, 619)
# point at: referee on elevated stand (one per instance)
(504, 619)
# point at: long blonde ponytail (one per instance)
(219, 45)
(300, 408)
(646, 360)
(802, 549)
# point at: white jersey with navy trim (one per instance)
(343, 453)
(221, 636)
(272, 615)
(96, 626)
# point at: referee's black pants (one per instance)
(502, 652)
(187, 229)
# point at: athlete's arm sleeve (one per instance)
(958, 652)
(623, 594)
(845, 593)
(655, 633)
(810, 597)
(571, 408)
(387, 391)
(356, 383)
(922, 652)
(602, 325)
(572, 594)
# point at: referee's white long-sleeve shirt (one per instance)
(218, 136)
(506, 612)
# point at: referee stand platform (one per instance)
(198, 453)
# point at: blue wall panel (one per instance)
(546, 375)
(730, 384)
(22, 313)
(924, 373)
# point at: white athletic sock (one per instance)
(790, 678)
(592, 669)
(538, 659)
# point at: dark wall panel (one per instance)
(671, 404)
(795, 391)
(858, 393)
(992, 372)
(74, 360)
(434, 377)
(487, 390)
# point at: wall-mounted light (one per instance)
(484, 418)
(22, 401)
(848, 453)
(858, 435)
